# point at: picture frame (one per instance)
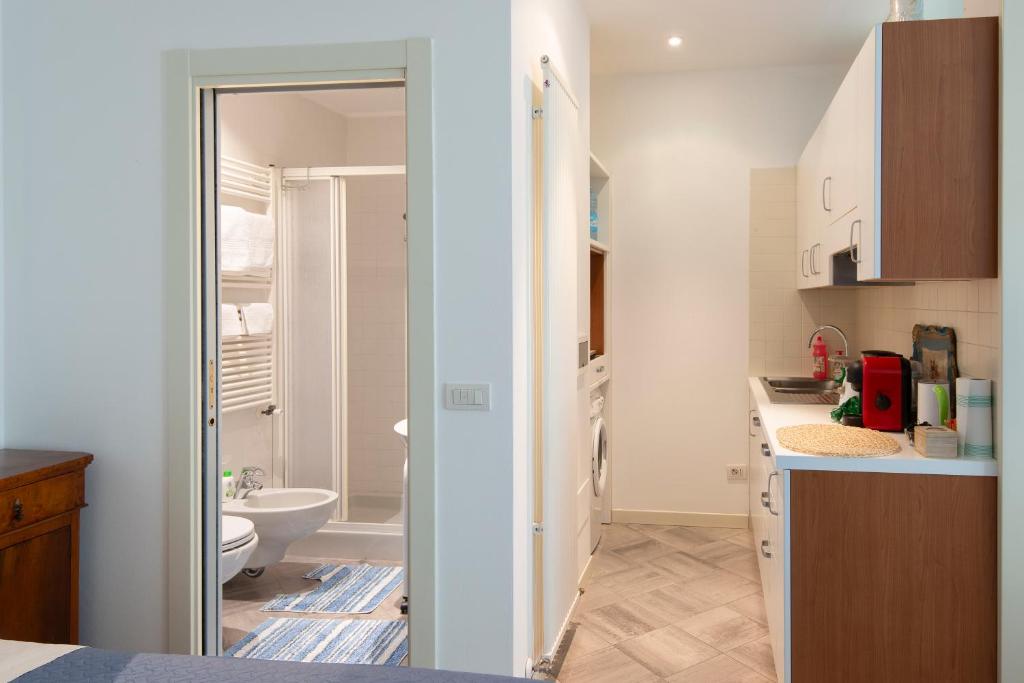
(935, 350)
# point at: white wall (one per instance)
(284, 129)
(1012, 464)
(559, 29)
(85, 251)
(375, 140)
(680, 148)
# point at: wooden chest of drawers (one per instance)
(41, 493)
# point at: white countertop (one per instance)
(907, 461)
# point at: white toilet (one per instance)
(238, 540)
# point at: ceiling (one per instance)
(360, 101)
(630, 36)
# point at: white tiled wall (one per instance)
(781, 317)
(376, 333)
(886, 318)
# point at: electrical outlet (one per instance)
(736, 472)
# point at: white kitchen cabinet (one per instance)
(862, 242)
(899, 181)
(838, 169)
(811, 216)
(767, 498)
(775, 598)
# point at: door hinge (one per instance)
(538, 528)
(538, 112)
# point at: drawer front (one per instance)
(27, 505)
(600, 368)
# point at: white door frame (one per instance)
(186, 73)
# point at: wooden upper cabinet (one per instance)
(909, 156)
(940, 149)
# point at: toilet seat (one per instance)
(235, 532)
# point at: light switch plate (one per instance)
(467, 396)
(736, 472)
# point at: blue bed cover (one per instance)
(92, 665)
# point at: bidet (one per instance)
(281, 517)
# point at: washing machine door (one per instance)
(599, 457)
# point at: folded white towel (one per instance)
(259, 318)
(231, 324)
(246, 242)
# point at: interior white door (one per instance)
(561, 219)
(210, 341)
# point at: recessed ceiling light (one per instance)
(675, 41)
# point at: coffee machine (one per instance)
(885, 385)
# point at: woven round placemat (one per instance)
(825, 439)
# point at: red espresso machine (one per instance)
(885, 391)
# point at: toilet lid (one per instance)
(235, 532)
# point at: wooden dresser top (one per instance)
(21, 467)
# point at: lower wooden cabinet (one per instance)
(893, 577)
(41, 493)
(875, 576)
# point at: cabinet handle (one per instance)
(826, 206)
(764, 550)
(765, 451)
(803, 262)
(855, 251)
(814, 253)
(768, 495)
(19, 510)
(600, 368)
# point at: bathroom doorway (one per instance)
(191, 80)
(312, 389)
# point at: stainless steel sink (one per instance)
(801, 390)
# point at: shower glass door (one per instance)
(344, 337)
(313, 323)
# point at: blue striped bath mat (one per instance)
(345, 589)
(337, 641)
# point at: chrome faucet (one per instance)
(247, 482)
(842, 335)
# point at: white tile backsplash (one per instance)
(886, 318)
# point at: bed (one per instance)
(36, 663)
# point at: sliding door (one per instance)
(209, 498)
(313, 322)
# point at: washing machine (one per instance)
(600, 506)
